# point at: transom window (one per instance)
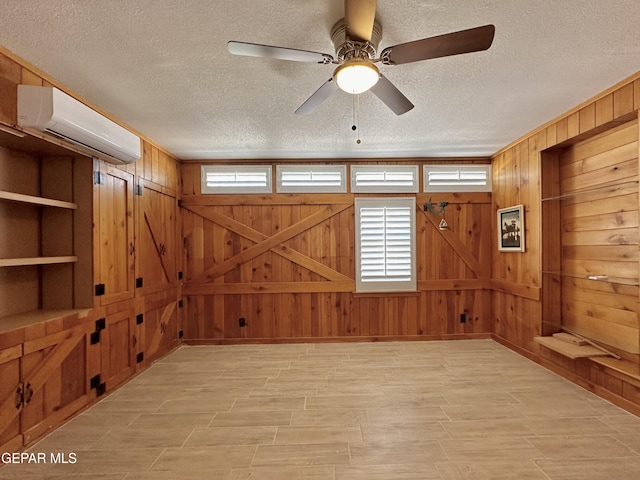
(236, 179)
(311, 178)
(457, 178)
(384, 178)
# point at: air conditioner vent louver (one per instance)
(51, 111)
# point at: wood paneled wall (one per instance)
(285, 263)
(587, 149)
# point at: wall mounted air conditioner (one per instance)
(48, 110)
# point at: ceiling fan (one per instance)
(356, 38)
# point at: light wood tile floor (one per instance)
(371, 411)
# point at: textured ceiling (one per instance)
(162, 67)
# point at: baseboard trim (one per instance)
(395, 338)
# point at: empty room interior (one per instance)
(338, 240)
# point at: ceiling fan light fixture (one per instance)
(356, 76)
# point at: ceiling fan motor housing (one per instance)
(347, 48)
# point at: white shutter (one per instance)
(384, 178)
(457, 178)
(236, 179)
(386, 244)
(311, 178)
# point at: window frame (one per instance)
(205, 189)
(311, 187)
(460, 186)
(380, 286)
(382, 188)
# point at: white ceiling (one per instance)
(162, 67)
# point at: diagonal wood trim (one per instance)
(267, 287)
(476, 267)
(274, 199)
(269, 243)
(282, 250)
(39, 374)
(154, 344)
(152, 223)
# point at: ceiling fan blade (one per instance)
(360, 16)
(456, 43)
(281, 53)
(391, 96)
(314, 101)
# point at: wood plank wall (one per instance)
(600, 237)
(519, 312)
(285, 263)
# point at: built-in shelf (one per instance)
(569, 349)
(31, 199)
(596, 278)
(21, 262)
(611, 186)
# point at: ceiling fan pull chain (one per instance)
(358, 141)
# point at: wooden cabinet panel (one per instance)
(160, 330)
(115, 235)
(157, 255)
(117, 349)
(10, 434)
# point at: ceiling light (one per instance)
(356, 75)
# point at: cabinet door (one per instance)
(10, 396)
(160, 330)
(156, 255)
(115, 235)
(54, 380)
(117, 349)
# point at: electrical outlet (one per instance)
(463, 318)
(242, 322)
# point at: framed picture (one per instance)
(511, 229)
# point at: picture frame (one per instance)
(511, 229)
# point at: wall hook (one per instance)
(430, 207)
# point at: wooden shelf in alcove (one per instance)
(22, 262)
(568, 349)
(31, 199)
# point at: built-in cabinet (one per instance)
(89, 287)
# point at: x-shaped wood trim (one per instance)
(266, 243)
(155, 228)
(154, 344)
(460, 248)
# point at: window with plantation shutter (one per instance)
(457, 178)
(311, 179)
(384, 178)
(385, 244)
(236, 179)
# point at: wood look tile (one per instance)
(318, 434)
(460, 410)
(491, 470)
(319, 472)
(188, 460)
(214, 436)
(302, 455)
(388, 472)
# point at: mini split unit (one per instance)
(48, 110)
